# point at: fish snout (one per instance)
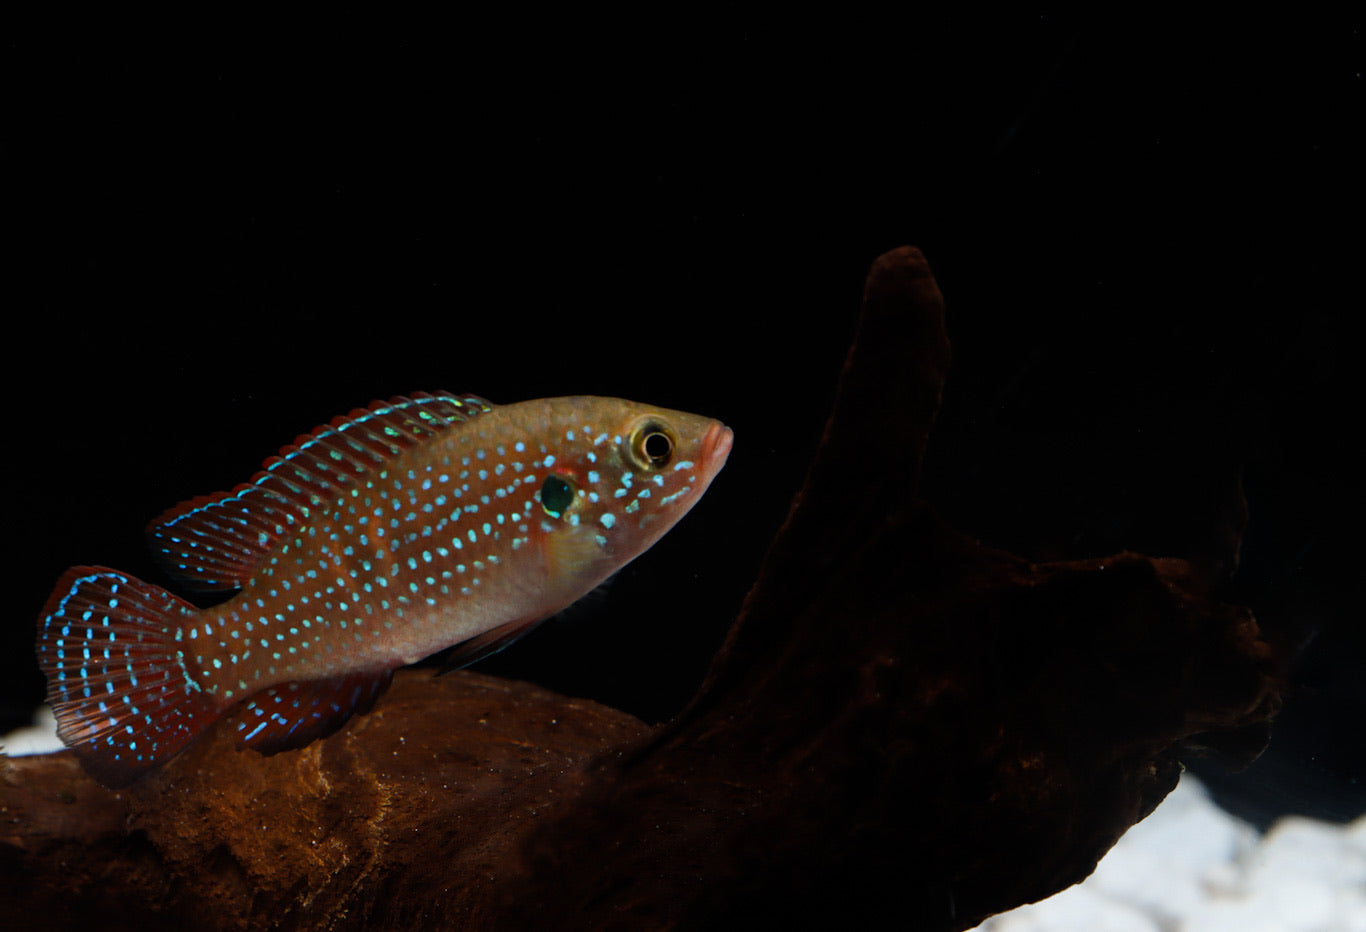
(716, 447)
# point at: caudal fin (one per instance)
(116, 678)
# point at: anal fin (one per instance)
(293, 715)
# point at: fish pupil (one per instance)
(556, 496)
(658, 448)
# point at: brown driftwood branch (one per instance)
(903, 724)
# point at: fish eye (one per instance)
(556, 495)
(652, 445)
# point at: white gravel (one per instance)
(38, 738)
(1191, 867)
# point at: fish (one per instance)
(385, 536)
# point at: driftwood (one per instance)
(902, 725)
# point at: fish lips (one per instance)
(716, 447)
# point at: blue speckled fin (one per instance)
(111, 647)
(293, 715)
(214, 543)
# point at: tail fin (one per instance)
(116, 678)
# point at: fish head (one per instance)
(623, 475)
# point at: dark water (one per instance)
(1148, 237)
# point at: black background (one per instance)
(219, 235)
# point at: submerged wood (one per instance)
(903, 725)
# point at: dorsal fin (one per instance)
(215, 542)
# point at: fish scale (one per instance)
(387, 535)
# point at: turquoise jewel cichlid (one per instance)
(376, 540)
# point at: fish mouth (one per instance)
(716, 447)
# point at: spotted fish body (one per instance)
(383, 537)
